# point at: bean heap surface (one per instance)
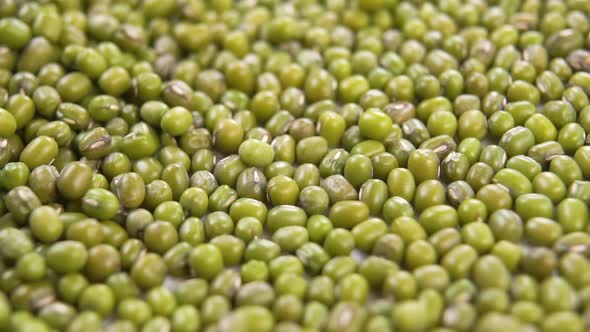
(294, 166)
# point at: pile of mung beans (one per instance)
(294, 166)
